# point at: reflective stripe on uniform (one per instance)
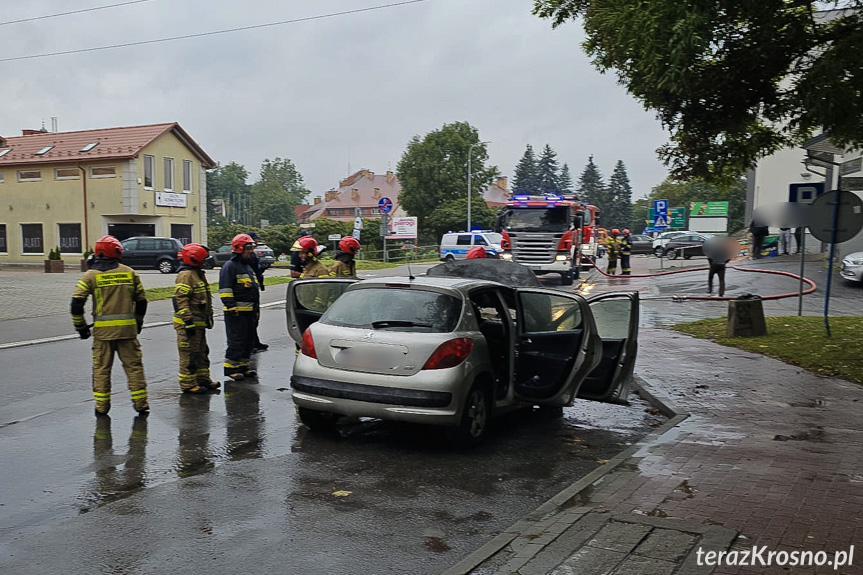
(121, 278)
(140, 394)
(100, 396)
(83, 285)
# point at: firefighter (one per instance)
(476, 252)
(259, 269)
(119, 306)
(612, 246)
(345, 266)
(625, 251)
(193, 315)
(238, 290)
(297, 262)
(312, 266)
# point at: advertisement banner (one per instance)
(403, 228)
(708, 209)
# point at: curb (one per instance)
(567, 500)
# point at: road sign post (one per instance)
(660, 208)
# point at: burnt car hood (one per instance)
(506, 272)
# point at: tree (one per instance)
(731, 80)
(547, 168)
(565, 180)
(640, 211)
(227, 190)
(450, 217)
(274, 196)
(433, 173)
(619, 198)
(526, 177)
(591, 188)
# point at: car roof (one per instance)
(460, 284)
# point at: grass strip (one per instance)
(160, 293)
(800, 341)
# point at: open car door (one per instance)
(616, 318)
(557, 346)
(308, 299)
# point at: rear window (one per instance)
(395, 310)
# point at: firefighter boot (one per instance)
(102, 408)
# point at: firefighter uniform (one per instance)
(313, 268)
(119, 306)
(612, 247)
(238, 290)
(193, 315)
(344, 267)
(625, 244)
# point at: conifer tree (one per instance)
(549, 180)
(565, 182)
(619, 198)
(525, 180)
(591, 188)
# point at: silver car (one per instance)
(852, 267)
(453, 351)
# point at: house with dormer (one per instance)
(359, 194)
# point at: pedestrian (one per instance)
(717, 268)
(612, 248)
(345, 266)
(238, 290)
(259, 268)
(296, 261)
(798, 239)
(759, 232)
(312, 266)
(119, 307)
(283, 257)
(625, 244)
(193, 316)
(784, 241)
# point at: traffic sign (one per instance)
(356, 234)
(848, 216)
(385, 205)
(805, 193)
(334, 237)
(358, 223)
(851, 166)
(661, 221)
(661, 208)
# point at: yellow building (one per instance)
(67, 189)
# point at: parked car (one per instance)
(453, 351)
(220, 256)
(662, 239)
(151, 253)
(455, 246)
(852, 267)
(641, 244)
(686, 246)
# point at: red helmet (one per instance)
(308, 244)
(476, 253)
(194, 254)
(349, 245)
(109, 247)
(240, 241)
(615, 232)
(626, 232)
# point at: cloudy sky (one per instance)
(333, 94)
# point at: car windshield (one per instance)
(395, 310)
(494, 238)
(540, 219)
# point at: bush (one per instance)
(55, 254)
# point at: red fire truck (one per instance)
(549, 234)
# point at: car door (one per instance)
(616, 318)
(130, 253)
(557, 345)
(308, 299)
(146, 252)
(222, 255)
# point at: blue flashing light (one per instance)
(521, 198)
(553, 197)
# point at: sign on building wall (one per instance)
(171, 199)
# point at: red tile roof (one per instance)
(114, 144)
(357, 191)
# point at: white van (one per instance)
(455, 245)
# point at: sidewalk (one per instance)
(756, 453)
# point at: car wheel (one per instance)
(671, 254)
(658, 251)
(449, 258)
(165, 266)
(317, 420)
(474, 420)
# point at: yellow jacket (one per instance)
(119, 303)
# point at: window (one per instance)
(187, 176)
(31, 239)
(3, 248)
(169, 174)
(182, 232)
(66, 174)
(103, 172)
(5, 151)
(29, 176)
(89, 147)
(70, 238)
(1, 178)
(462, 240)
(44, 150)
(149, 170)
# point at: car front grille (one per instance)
(531, 248)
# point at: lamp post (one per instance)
(469, 150)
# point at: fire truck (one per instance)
(549, 234)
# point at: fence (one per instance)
(401, 253)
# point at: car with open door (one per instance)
(453, 351)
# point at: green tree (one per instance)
(565, 180)
(274, 196)
(619, 198)
(450, 217)
(640, 213)
(549, 179)
(591, 189)
(433, 173)
(227, 189)
(526, 175)
(731, 80)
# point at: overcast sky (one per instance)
(333, 95)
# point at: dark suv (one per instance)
(220, 256)
(149, 253)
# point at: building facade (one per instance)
(67, 189)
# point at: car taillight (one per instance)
(308, 345)
(565, 243)
(450, 353)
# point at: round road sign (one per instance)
(849, 219)
(385, 205)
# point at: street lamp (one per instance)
(469, 150)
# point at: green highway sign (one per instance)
(677, 217)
